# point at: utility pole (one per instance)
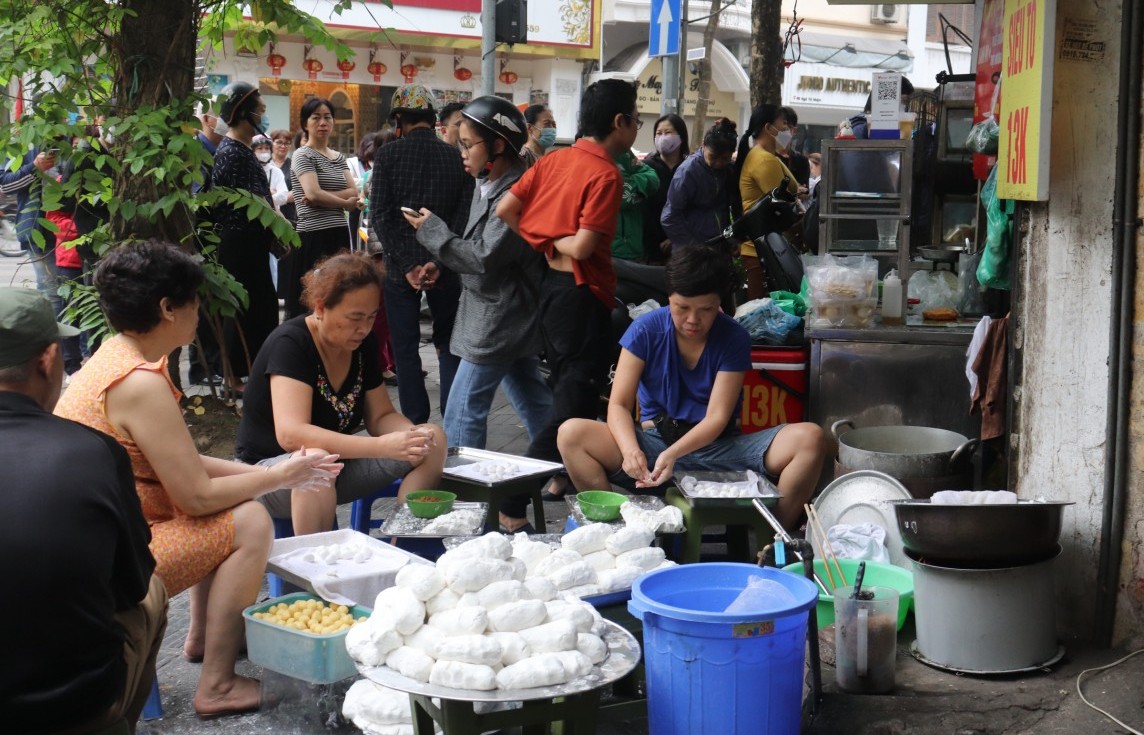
(681, 67)
(488, 47)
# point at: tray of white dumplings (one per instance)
(720, 488)
(484, 467)
(493, 620)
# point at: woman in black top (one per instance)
(671, 147)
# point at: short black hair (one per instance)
(449, 109)
(312, 104)
(532, 113)
(133, 278)
(699, 270)
(413, 117)
(790, 115)
(602, 101)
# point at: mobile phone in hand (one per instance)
(411, 212)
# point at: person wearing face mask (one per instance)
(794, 160)
(671, 147)
(244, 243)
(263, 151)
(759, 170)
(541, 133)
(703, 195)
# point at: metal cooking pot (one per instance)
(980, 534)
(902, 451)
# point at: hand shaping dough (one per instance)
(646, 559)
(515, 647)
(629, 538)
(573, 575)
(550, 637)
(586, 539)
(370, 643)
(402, 607)
(517, 615)
(422, 580)
(460, 675)
(592, 646)
(410, 662)
(461, 621)
(538, 671)
(476, 574)
(502, 593)
(472, 649)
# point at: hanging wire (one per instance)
(946, 26)
(792, 41)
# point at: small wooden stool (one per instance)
(737, 518)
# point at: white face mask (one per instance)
(783, 139)
(263, 156)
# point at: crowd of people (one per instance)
(468, 208)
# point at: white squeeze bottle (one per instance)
(892, 298)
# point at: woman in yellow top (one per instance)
(760, 171)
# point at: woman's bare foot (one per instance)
(193, 647)
(243, 695)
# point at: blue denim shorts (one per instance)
(730, 454)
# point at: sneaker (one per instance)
(207, 380)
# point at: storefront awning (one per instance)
(851, 51)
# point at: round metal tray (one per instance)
(623, 656)
(942, 253)
(864, 496)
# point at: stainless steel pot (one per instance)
(902, 451)
(980, 534)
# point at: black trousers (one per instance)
(316, 245)
(578, 345)
(244, 257)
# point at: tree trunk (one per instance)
(766, 52)
(156, 48)
(703, 87)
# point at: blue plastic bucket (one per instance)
(718, 673)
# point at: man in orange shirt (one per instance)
(567, 206)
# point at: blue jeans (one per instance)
(730, 454)
(403, 308)
(466, 420)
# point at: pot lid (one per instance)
(865, 496)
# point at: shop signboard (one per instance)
(721, 104)
(987, 88)
(822, 85)
(1026, 100)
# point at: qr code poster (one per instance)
(885, 98)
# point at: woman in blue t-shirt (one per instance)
(685, 363)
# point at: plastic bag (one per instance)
(993, 271)
(767, 323)
(841, 291)
(791, 303)
(969, 299)
(760, 594)
(934, 289)
(635, 311)
(865, 541)
(983, 136)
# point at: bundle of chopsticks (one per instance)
(824, 550)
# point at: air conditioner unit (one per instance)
(885, 13)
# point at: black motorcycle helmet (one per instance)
(238, 99)
(501, 118)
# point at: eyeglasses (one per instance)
(635, 119)
(465, 147)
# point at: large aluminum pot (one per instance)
(902, 451)
(975, 535)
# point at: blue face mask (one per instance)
(547, 138)
(262, 125)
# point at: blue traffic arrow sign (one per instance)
(664, 37)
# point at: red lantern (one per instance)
(462, 74)
(509, 77)
(312, 67)
(377, 69)
(408, 71)
(346, 67)
(276, 62)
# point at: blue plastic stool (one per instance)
(362, 509)
(153, 707)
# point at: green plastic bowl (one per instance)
(600, 505)
(430, 503)
(881, 575)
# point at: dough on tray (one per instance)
(573, 575)
(426, 639)
(460, 675)
(629, 538)
(454, 523)
(422, 580)
(410, 662)
(592, 646)
(502, 593)
(541, 588)
(514, 646)
(402, 607)
(581, 614)
(472, 649)
(492, 545)
(376, 705)
(517, 615)
(647, 558)
(446, 599)
(461, 621)
(530, 552)
(586, 539)
(555, 561)
(619, 578)
(370, 643)
(600, 560)
(476, 574)
(583, 590)
(575, 663)
(559, 635)
(538, 671)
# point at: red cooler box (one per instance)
(774, 389)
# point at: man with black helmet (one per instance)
(497, 334)
(243, 243)
(417, 171)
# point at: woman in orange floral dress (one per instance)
(207, 532)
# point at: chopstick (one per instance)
(821, 552)
(824, 543)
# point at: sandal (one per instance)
(560, 482)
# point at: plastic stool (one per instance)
(153, 707)
(362, 509)
(736, 518)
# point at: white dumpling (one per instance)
(460, 675)
(539, 671)
(575, 663)
(519, 568)
(600, 560)
(620, 578)
(555, 561)
(469, 599)
(581, 614)
(492, 545)
(514, 647)
(410, 662)
(530, 552)
(583, 590)
(402, 607)
(541, 588)
(592, 646)
(517, 615)
(375, 705)
(647, 558)
(446, 599)
(370, 644)
(586, 539)
(472, 649)
(476, 574)
(422, 580)
(426, 639)
(461, 621)
(502, 593)
(628, 538)
(573, 575)
(559, 635)
(665, 564)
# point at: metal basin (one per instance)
(979, 534)
(903, 451)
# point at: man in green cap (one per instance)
(75, 541)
